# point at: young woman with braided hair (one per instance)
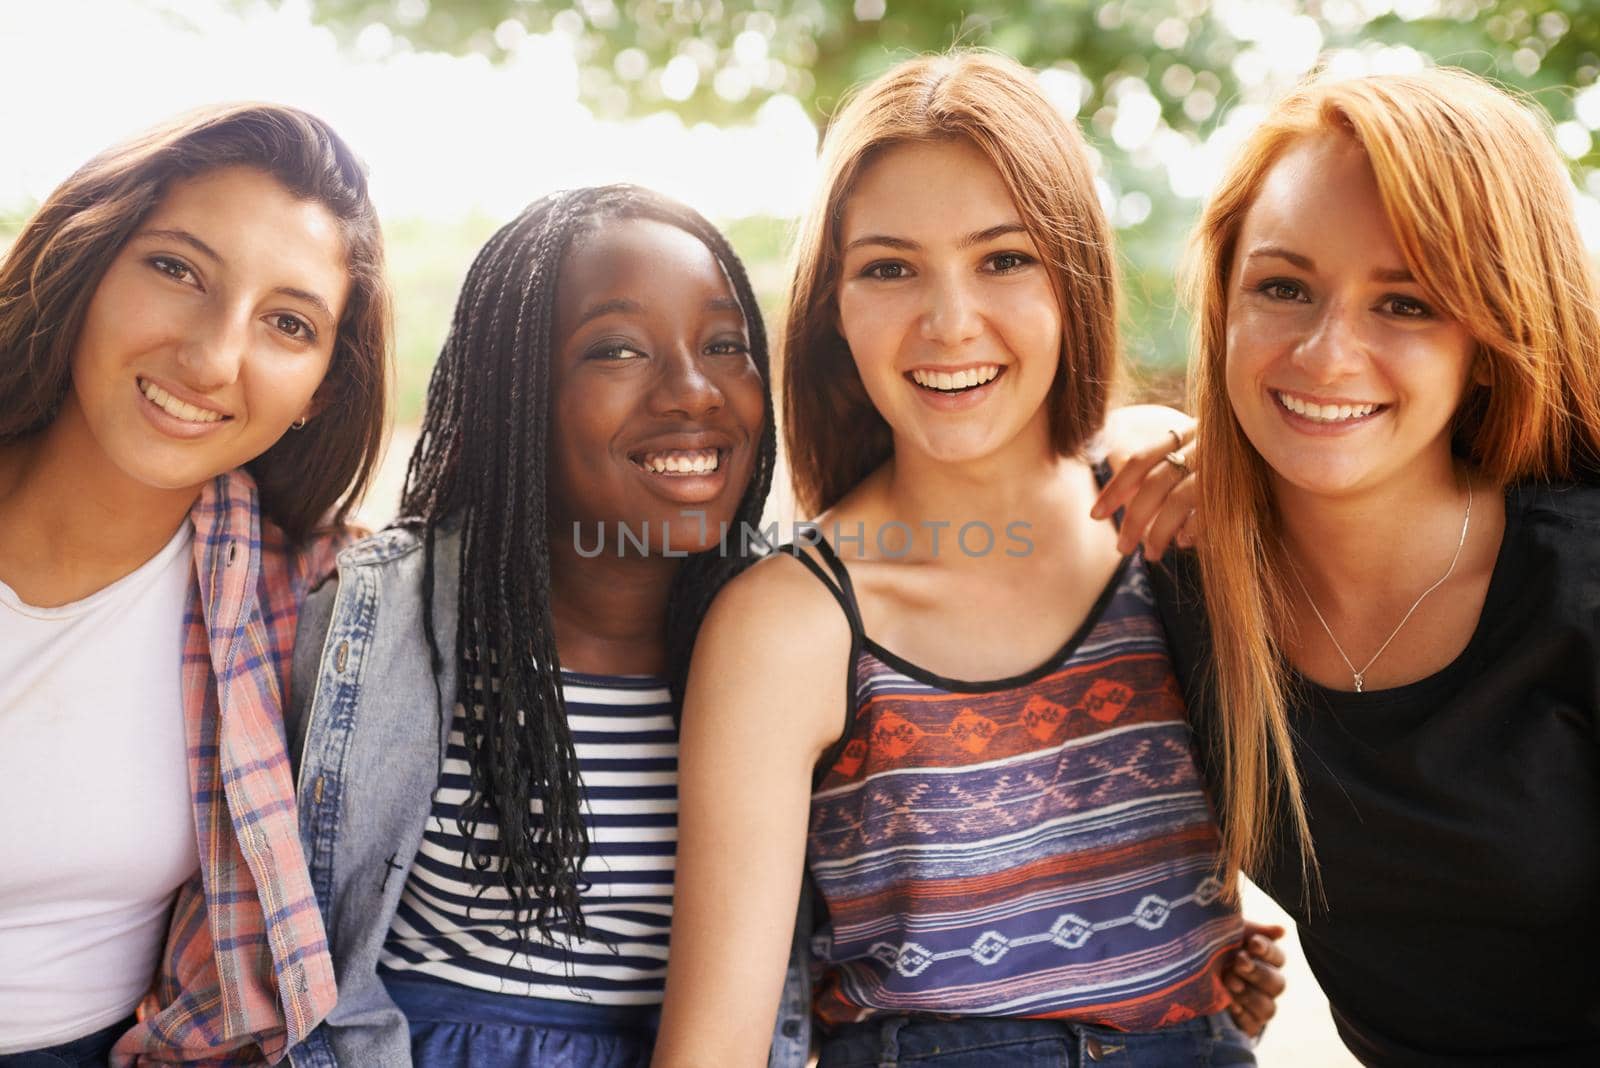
(486, 695)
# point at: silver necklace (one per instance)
(1360, 675)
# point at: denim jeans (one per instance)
(983, 1042)
(90, 1051)
(458, 1027)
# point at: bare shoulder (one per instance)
(779, 607)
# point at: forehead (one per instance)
(1320, 198)
(642, 260)
(927, 190)
(259, 229)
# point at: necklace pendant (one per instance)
(1358, 682)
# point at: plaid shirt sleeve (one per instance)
(246, 973)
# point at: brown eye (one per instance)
(172, 268)
(1006, 262)
(293, 326)
(886, 271)
(1407, 308)
(1279, 289)
(616, 352)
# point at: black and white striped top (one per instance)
(627, 751)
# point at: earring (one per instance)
(298, 424)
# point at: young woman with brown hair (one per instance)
(1021, 867)
(194, 333)
(1397, 376)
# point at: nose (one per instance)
(1336, 346)
(683, 386)
(215, 348)
(951, 315)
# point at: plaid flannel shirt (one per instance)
(246, 973)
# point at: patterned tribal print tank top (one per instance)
(1039, 846)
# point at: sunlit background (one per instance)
(465, 111)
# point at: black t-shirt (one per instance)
(1456, 819)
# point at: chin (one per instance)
(1320, 480)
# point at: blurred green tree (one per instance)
(1154, 82)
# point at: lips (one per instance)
(686, 467)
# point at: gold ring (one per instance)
(1177, 439)
(1178, 460)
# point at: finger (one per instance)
(1188, 534)
(1246, 1022)
(1270, 982)
(1273, 931)
(1126, 478)
(1139, 512)
(1259, 1006)
(1261, 948)
(1250, 973)
(1174, 513)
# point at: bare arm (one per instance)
(765, 698)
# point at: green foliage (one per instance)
(427, 261)
(1184, 64)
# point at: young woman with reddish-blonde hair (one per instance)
(954, 711)
(1397, 378)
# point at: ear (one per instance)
(1481, 373)
(320, 400)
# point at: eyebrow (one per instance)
(977, 237)
(607, 307)
(185, 237)
(624, 306)
(1305, 264)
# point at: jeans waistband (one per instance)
(91, 1049)
(427, 999)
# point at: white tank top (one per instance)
(96, 824)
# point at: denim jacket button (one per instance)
(343, 657)
(1093, 1048)
(791, 1028)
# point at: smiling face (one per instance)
(658, 406)
(1343, 373)
(209, 333)
(948, 311)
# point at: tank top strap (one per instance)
(835, 579)
(833, 576)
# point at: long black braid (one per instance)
(481, 462)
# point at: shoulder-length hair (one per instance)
(1482, 210)
(833, 434)
(50, 275)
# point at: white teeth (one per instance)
(681, 461)
(176, 408)
(1325, 413)
(963, 379)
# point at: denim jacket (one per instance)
(369, 727)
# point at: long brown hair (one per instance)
(1482, 210)
(834, 435)
(50, 274)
